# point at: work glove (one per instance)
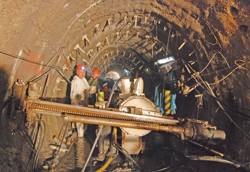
(86, 97)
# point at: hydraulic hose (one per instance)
(105, 165)
(113, 89)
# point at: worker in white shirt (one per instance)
(79, 93)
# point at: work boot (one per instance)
(100, 157)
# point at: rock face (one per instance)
(53, 36)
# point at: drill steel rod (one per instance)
(120, 123)
(59, 108)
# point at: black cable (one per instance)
(235, 124)
(42, 74)
(221, 70)
(5, 103)
(40, 143)
(207, 87)
(126, 154)
(64, 134)
(22, 58)
(235, 111)
(113, 89)
(32, 152)
(246, 109)
(34, 132)
(36, 138)
(39, 76)
(230, 68)
(231, 109)
(33, 62)
(60, 72)
(230, 118)
(47, 63)
(246, 79)
(29, 141)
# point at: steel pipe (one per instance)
(195, 130)
(127, 124)
(185, 131)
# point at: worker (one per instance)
(79, 93)
(94, 85)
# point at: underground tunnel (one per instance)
(173, 92)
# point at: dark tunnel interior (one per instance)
(199, 50)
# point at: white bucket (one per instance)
(126, 86)
(138, 86)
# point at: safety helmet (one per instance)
(81, 67)
(96, 71)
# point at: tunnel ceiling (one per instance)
(210, 35)
(102, 32)
(133, 34)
